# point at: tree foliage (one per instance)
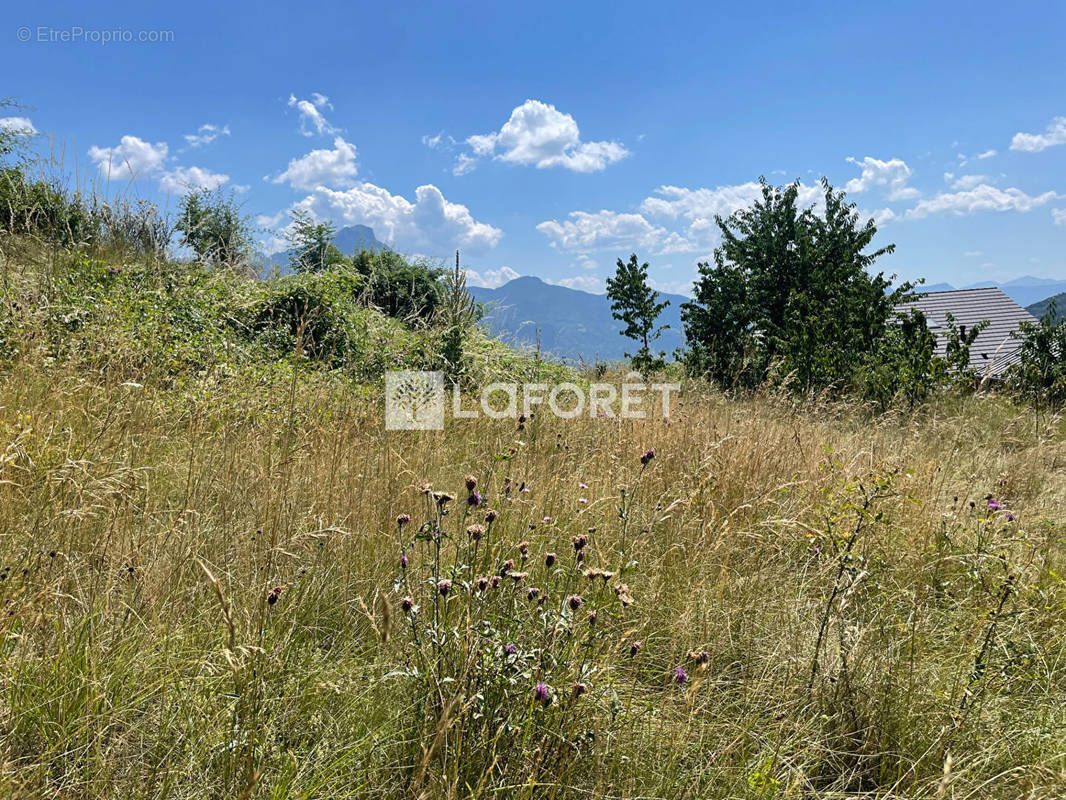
(312, 248)
(636, 304)
(1040, 374)
(212, 226)
(790, 294)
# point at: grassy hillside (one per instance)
(207, 591)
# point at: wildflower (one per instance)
(471, 483)
(1010, 517)
(275, 593)
(523, 548)
(579, 689)
(444, 587)
(592, 618)
(443, 498)
(474, 499)
(547, 519)
(532, 593)
(580, 541)
(509, 649)
(701, 657)
(491, 515)
(403, 519)
(482, 583)
(516, 576)
(574, 601)
(540, 693)
(507, 566)
(475, 532)
(622, 592)
(582, 486)
(634, 648)
(403, 561)
(648, 456)
(680, 676)
(994, 506)
(582, 500)
(494, 581)
(407, 604)
(549, 559)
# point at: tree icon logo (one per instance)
(414, 400)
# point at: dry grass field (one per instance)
(206, 593)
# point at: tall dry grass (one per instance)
(200, 598)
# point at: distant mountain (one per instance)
(1038, 310)
(348, 240)
(573, 324)
(1024, 291)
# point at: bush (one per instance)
(1040, 374)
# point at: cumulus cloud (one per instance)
(986, 154)
(186, 180)
(206, 134)
(311, 119)
(431, 225)
(1035, 142)
(130, 158)
(20, 126)
(1058, 216)
(491, 278)
(336, 168)
(891, 176)
(539, 134)
(979, 198)
(961, 182)
(587, 231)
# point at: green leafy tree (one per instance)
(958, 341)
(904, 369)
(456, 314)
(1040, 373)
(405, 289)
(636, 304)
(312, 244)
(212, 226)
(789, 294)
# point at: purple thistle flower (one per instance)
(549, 559)
(403, 519)
(509, 649)
(579, 689)
(540, 693)
(649, 454)
(582, 499)
(444, 587)
(994, 506)
(403, 561)
(474, 500)
(1010, 517)
(582, 486)
(680, 676)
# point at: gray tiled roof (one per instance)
(995, 349)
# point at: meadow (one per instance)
(221, 577)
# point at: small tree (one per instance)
(212, 226)
(1040, 374)
(456, 314)
(636, 304)
(312, 244)
(958, 341)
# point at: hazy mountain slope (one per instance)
(572, 324)
(1039, 309)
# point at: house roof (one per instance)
(994, 349)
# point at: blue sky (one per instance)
(552, 138)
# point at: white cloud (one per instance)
(206, 134)
(311, 119)
(539, 134)
(1035, 142)
(585, 261)
(891, 175)
(962, 182)
(131, 158)
(979, 198)
(588, 231)
(431, 225)
(880, 217)
(463, 164)
(703, 205)
(583, 283)
(491, 278)
(17, 125)
(986, 154)
(1058, 216)
(334, 167)
(185, 180)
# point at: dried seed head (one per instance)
(579, 689)
(634, 648)
(532, 593)
(491, 515)
(475, 532)
(580, 541)
(403, 519)
(507, 566)
(482, 583)
(471, 483)
(648, 456)
(549, 559)
(523, 548)
(407, 605)
(274, 594)
(574, 601)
